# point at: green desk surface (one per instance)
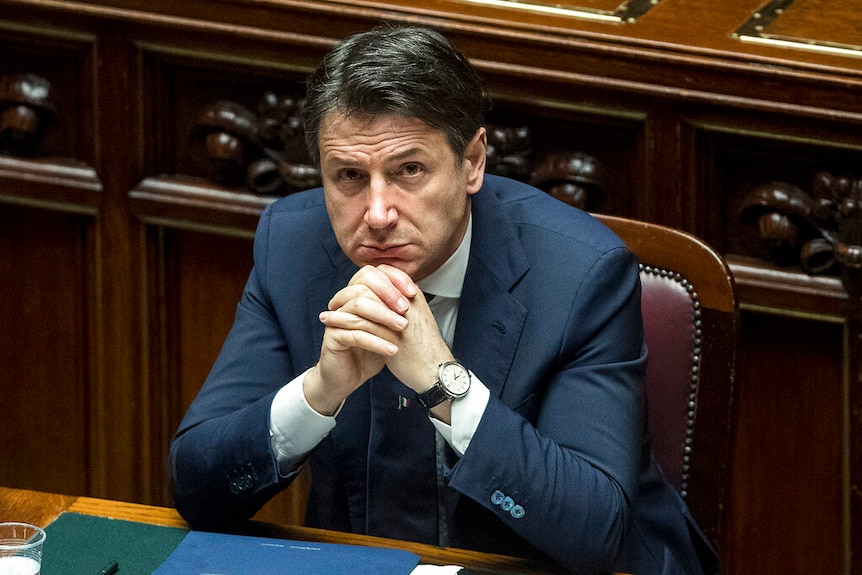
(82, 545)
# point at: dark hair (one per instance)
(408, 71)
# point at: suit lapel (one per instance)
(325, 285)
(490, 318)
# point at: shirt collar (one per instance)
(447, 280)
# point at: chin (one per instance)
(405, 267)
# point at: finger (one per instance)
(361, 315)
(400, 280)
(342, 339)
(353, 292)
(380, 283)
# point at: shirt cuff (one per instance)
(294, 426)
(467, 412)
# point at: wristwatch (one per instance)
(453, 381)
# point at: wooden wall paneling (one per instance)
(787, 305)
(564, 114)
(50, 270)
(207, 275)
(161, 361)
(79, 167)
(737, 150)
(750, 161)
(201, 281)
(54, 167)
(853, 505)
(611, 142)
(792, 456)
(53, 185)
(648, 71)
(44, 301)
(119, 377)
(853, 508)
(176, 104)
(191, 203)
(65, 60)
(788, 489)
(636, 135)
(665, 201)
(697, 178)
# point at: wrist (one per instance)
(314, 390)
(452, 383)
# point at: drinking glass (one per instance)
(20, 548)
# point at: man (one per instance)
(503, 414)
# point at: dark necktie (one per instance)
(402, 464)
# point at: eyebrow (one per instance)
(407, 153)
(338, 159)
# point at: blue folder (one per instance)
(203, 553)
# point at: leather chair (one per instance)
(690, 315)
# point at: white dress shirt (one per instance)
(296, 427)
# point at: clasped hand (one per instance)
(380, 319)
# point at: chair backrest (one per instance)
(690, 315)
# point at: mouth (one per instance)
(383, 252)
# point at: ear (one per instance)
(474, 161)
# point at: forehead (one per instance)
(349, 136)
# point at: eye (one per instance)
(350, 175)
(348, 180)
(411, 169)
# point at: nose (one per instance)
(380, 213)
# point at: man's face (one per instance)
(395, 192)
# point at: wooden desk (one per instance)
(42, 508)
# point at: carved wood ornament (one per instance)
(575, 178)
(26, 111)
(822, 231)
(262, 151)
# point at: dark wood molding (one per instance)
(49, 184)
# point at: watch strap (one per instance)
(433, 397)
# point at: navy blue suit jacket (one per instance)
(549, 320)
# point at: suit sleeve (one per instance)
(562, 474)
(221, 461)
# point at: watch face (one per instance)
(455, 378)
